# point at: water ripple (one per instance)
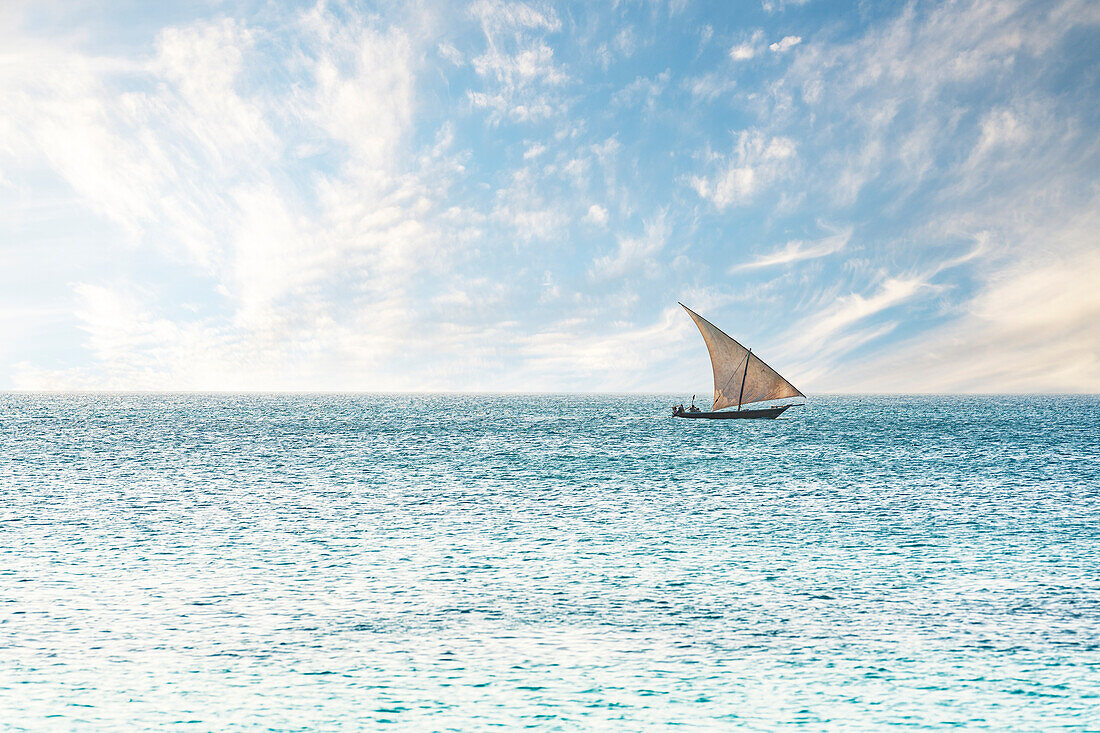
(197, 562)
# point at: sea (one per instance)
(190, 562)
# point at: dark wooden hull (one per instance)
(763, 413)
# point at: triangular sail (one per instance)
(727, 359)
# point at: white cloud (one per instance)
(148, 160)
(786, 44)
(1052, 347)
(824, 337)
(607, 150)
(710, 86)
(774, 6)
(742, 52)
(1000, 127)
(496, 15)
(625, 358)
(550, 289)
(518, 63)
(194, 164)
(619, 48)
(911, 112)
(855, 307)
(634, 255)
(577, 169)
(202, 63)
(525, 67)
(451, 54)
(895, 95)
(748, 49)
(924, 56)
(363, 89)
(596, 214)
(1031, 326)
(525, 210)
(643, 91)
(756, 162)
(797, 250)
(133, 348)
(283, 183)
(625, 42)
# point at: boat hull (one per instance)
(760, 413)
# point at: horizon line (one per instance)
(508, 392)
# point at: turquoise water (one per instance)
(559, 562)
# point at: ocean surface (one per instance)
(450, 562)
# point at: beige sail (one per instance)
(727, 359)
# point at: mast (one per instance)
(742, 394)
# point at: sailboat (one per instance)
(740, 378)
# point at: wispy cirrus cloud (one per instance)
(634, 254)
(1029, 327)
(775, 6)
(854, 308)
(797, 250)
(203, 170)
(517, 63)
(912, 130)
(756, 162)
(436, 197)
(623, 359)
(643, 91)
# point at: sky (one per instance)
(492, 196)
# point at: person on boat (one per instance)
(679, 409)
(693, 408)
